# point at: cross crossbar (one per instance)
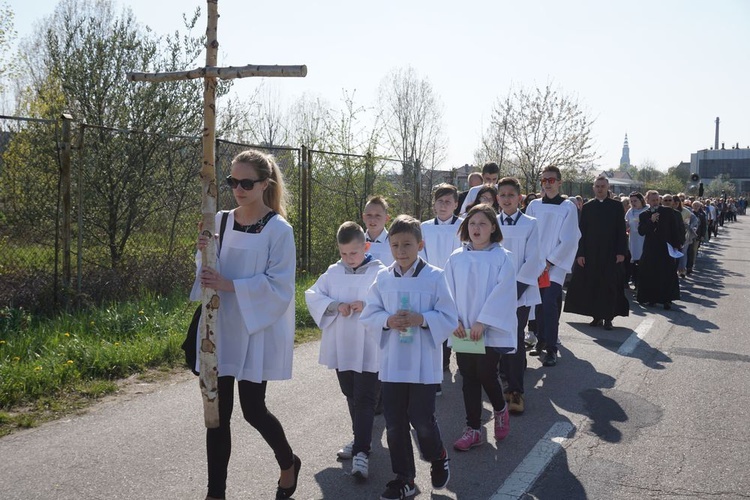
(227, 73)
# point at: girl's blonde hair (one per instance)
(275, 195)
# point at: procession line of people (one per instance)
(401, 300)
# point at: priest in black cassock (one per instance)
(597, 286)
(659, 225)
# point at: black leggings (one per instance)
(219, 440)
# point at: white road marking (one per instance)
(631, 343)
(534, 463)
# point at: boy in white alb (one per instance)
(375, 217)
(411, 306)
(335, 302)
(490, 175)
(557, 220)
(521, 238)
(440, 236)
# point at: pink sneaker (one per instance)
(470, 439)
(502, 423)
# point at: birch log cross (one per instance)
(208, 330)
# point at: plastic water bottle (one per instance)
(406, 337)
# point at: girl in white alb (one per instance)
(482, 280)
(254, 279)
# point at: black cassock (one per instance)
(657, 270)
(597, 289)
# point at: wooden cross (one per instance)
(209, 192)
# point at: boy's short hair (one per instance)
(349, 232)
(444, 189)
(554, 169)
(377, 200)
(510, 181)
(406, 224)
(472, 175)
(490, 168)
(481, 210)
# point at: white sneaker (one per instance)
(360, 465)
(346, 451)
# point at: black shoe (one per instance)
(651, 304)
(607, 324)
(667, 306)
(596, 322)
(282, 493)
(440, 473)
(398, 489)
(539, 348)
(549, 359)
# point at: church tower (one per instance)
(625, 159)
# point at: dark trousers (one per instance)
(514, 365)
(361, 391)
(446, 356)
(219, 440)
(405, 404)
(548, 316)
(479, 371)
(691, 255)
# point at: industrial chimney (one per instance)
(716, 139)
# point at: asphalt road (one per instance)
(656, 408)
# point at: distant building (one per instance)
(735, 163)
(620, 182)
(625, 158)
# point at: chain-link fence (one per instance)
(90, 214)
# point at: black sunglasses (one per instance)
(246, 184)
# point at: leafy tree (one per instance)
(539, 127)
(130, 180)
(719, 186)
(681, 172)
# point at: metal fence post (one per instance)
(303, 219)
(65, 147)
(418, 189)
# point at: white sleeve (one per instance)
(443, 317)
(533, 263)
(564, 253)
(318, 300)
(499, 310)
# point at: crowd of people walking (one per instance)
(484, 278)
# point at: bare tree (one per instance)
(413, 119)
(308, 116)
(268, 119)
(540, 127)
(413, 126)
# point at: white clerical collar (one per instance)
(379, 238)
(514, 216)
(449, 221)
(409, 272)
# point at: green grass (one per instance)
(52, 366)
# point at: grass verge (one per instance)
(51, 367)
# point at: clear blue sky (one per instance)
(660, 70)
